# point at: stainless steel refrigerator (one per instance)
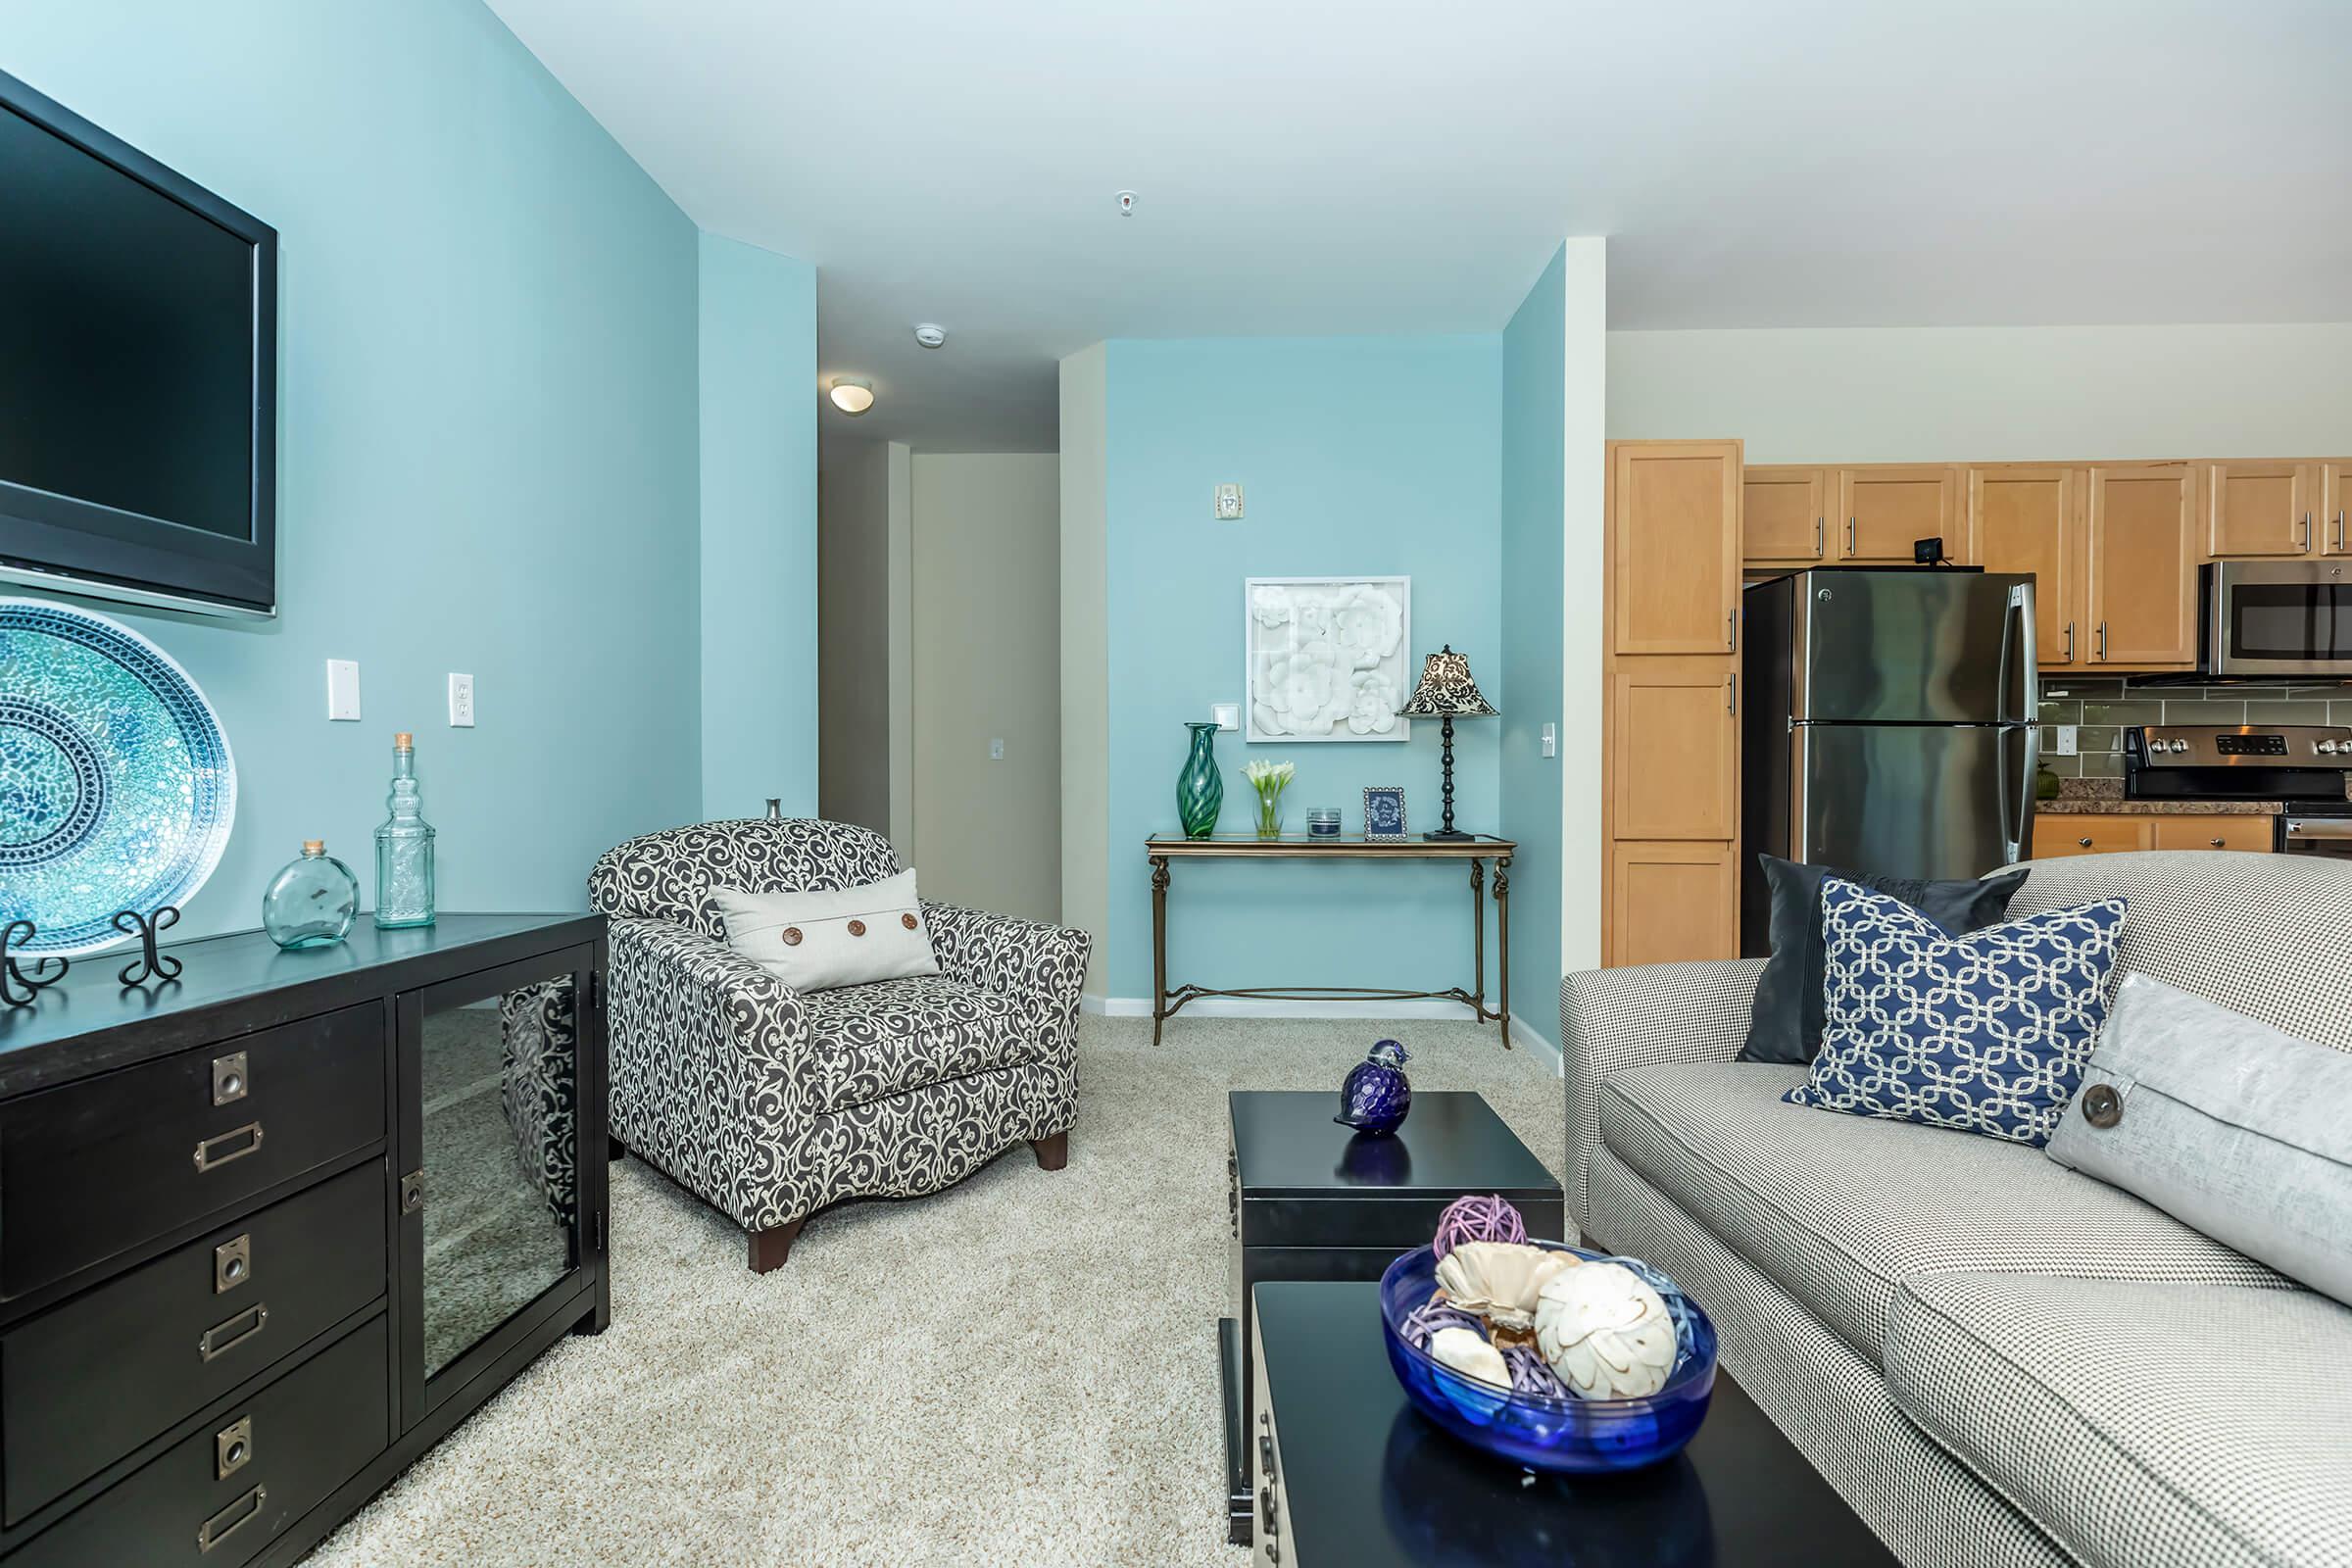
(1891, 725)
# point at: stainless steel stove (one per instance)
(2303, 766)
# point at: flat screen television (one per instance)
(138, 349)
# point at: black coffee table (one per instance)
(1351, 1474)
(1316, 1200)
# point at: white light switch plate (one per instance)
(461, 700)
(343, 688)
(996, 747)
(1229, 503)
(1225, 715)
(2066, 740)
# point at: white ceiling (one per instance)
(1385, 166)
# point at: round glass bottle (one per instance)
(311, 901)
(403, 846)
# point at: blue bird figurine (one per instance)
(1376, 1094)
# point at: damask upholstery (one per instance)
(1818, 1255)
(771, 1104)
(537, 1089)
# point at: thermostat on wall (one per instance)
(1229, 503)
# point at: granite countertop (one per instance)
(2104, 797)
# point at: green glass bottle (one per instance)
(1200, 788)
(403, 846)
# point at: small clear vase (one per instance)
(1269, 814)
(311, 902)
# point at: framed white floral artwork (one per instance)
(1327, 659)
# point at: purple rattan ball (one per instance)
(1477, 1219)
(1532, 1374)
(1424, 1321)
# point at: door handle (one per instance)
(2339, 530)
(1849, 536)
(1820, 535)
(2070, 644)
(2102, 641)
(1731, 631)
(2303, 533)
(1731, 695)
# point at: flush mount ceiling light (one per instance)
(851, 397)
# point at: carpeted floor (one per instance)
(1019, 1371)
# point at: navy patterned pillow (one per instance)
(1986, 1033)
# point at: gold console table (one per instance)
(1478, 849)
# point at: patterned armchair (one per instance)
(771, 1103)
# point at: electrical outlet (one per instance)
(1229, 503)
(343, 689)
(1225, 715)
(2066, 740)
(461, 700)
(996, 747)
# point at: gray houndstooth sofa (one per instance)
(770, 1103)
(1996, 1359)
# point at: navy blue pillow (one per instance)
(1984, 1033)
(1784, 1023)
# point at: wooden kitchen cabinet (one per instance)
(1672, 903)
(1673, 544)
(2057, 834)
(2212, 833)
(2140, 605)
(1784, 516)
(2262, 508)
(2336, 508)
(2026, 518)
(1884, 508)
(1674, 749)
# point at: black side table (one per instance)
(1312, 1199)
(1352, 1475)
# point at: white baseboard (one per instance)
(1523, 1034)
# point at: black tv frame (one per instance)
(83, 547)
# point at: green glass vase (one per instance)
(1200, 788)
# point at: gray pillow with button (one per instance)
(2226, 1124)
(824, 939)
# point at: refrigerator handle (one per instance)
(2017, 794)
(2019, 660)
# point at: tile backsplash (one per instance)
(2101, 707)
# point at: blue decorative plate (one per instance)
(117, 789)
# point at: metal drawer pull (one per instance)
(2218, 843)
(231, 1078)
(222, 1337)
(232, 1263)
(229, 1520)
(2084, 841)
(245, 1139)
(232, 1448)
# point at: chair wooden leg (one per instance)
(770, 1246)
(1052, 1153)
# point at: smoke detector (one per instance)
(930, 334)
(1126, 203)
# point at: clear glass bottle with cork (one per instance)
(311, 902)
(403, 846)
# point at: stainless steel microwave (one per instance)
(2276, 618)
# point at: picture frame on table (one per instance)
(1384, 812)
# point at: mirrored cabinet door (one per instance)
(493, 1201)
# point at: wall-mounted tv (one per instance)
(138, 349)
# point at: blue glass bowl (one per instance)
(1546, 1434)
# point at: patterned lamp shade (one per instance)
(1447, 690)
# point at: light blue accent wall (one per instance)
(1378, 456)
(758, 554)
(487, 430)
(1534, 520)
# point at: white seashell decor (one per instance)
(1467, 1354)
(1500, 1281)
(1605, 1332)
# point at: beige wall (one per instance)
(1085, 650)
(1989, 394)
(987, 663)
(853, 619)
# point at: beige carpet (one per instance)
(1019, 1371)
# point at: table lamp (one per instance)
(1446, 691)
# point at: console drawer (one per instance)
(87, 1381)
(217, 1498)
(95, 1168)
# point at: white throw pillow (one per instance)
(815, 941)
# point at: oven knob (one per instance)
(2327, 748)
(2177, 747)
